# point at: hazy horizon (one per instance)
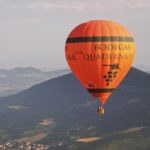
(33, 33)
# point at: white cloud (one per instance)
(101, 6)
(131, 4)
(45, 6)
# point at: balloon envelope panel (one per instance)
(100, 53)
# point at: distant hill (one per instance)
(17, 79)
(69, 113)
(144, 68)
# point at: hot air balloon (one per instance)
(100, 54)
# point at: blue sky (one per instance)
(33, 32)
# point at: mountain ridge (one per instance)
(17, 79)
(74, 110)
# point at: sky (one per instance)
(33, 32)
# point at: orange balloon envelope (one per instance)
(100, 53)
